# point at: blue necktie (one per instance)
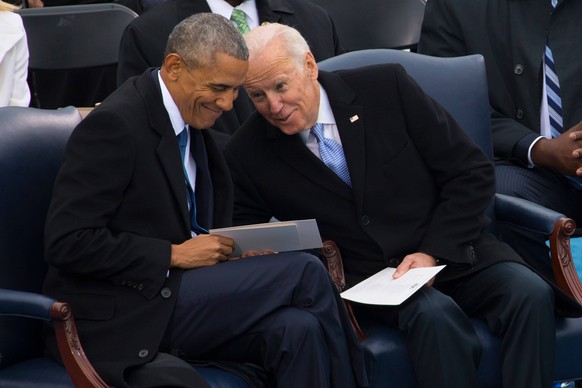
(554, 99)
(183, 141)
(332, 154)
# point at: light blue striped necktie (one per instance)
(554, 99)
(332, 154)
(553, 89)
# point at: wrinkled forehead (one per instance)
(269, 66)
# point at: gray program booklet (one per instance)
(278, 236)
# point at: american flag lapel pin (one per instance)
(354, 118)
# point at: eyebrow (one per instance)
(223, 85)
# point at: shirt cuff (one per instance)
(530, 163)
(522, 149)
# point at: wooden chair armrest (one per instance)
(562, 263)
(335, 267)
(76, 363)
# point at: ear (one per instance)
(311, 66)
(172, 66)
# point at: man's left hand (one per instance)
(415, 260)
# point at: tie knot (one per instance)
(317, 131)
(239, 18)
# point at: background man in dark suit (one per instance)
(143, 43)
(416, 195)
(512, 36)
(127, 251)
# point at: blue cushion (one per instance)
(576, 246)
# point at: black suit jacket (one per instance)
(118, 203)
(512, 36)
(418, 182)
(144, 40)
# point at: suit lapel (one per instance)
(167, 149)
(350, 119)
(293, 152)
(269, 10)
(350, 123)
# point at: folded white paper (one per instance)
(382, 289)
(279, 236)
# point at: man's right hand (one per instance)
(562, 154)
(200, 251)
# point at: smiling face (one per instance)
(285, 93)
(203, 93)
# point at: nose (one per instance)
(275, 104)
(226, 99)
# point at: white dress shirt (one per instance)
(325, 116)
(14, 90)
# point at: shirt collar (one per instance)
(324, 116)
(175, 117)
(221, 7)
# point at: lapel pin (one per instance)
(354, 118)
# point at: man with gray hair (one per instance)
(390, 177)
(127, 243)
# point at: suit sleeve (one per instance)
(83, 234)
(249, 206)
(462, 172)
(448, 30)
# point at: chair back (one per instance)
(31, 152)
(75, 36)
(368, 24)
(459, 84)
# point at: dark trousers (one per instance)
(281, 312)
(443, 345)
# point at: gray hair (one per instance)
(259, 38)
(198, 38)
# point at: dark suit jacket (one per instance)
(418, 182)
(144, 41)
(118, 203)
(512, 36)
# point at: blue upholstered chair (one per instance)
(460, 85)
(32, 143)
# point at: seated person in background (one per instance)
(127, 242)
(14, 90)
(537, 127)
(143, 43)
(408, 189)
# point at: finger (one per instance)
(402, 268)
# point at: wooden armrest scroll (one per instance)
(562, 263)
(335, 267)
(76, 363)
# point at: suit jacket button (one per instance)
(518, 69)
(519, 114)
(365, 220)
(143, 353)
(166, 292)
